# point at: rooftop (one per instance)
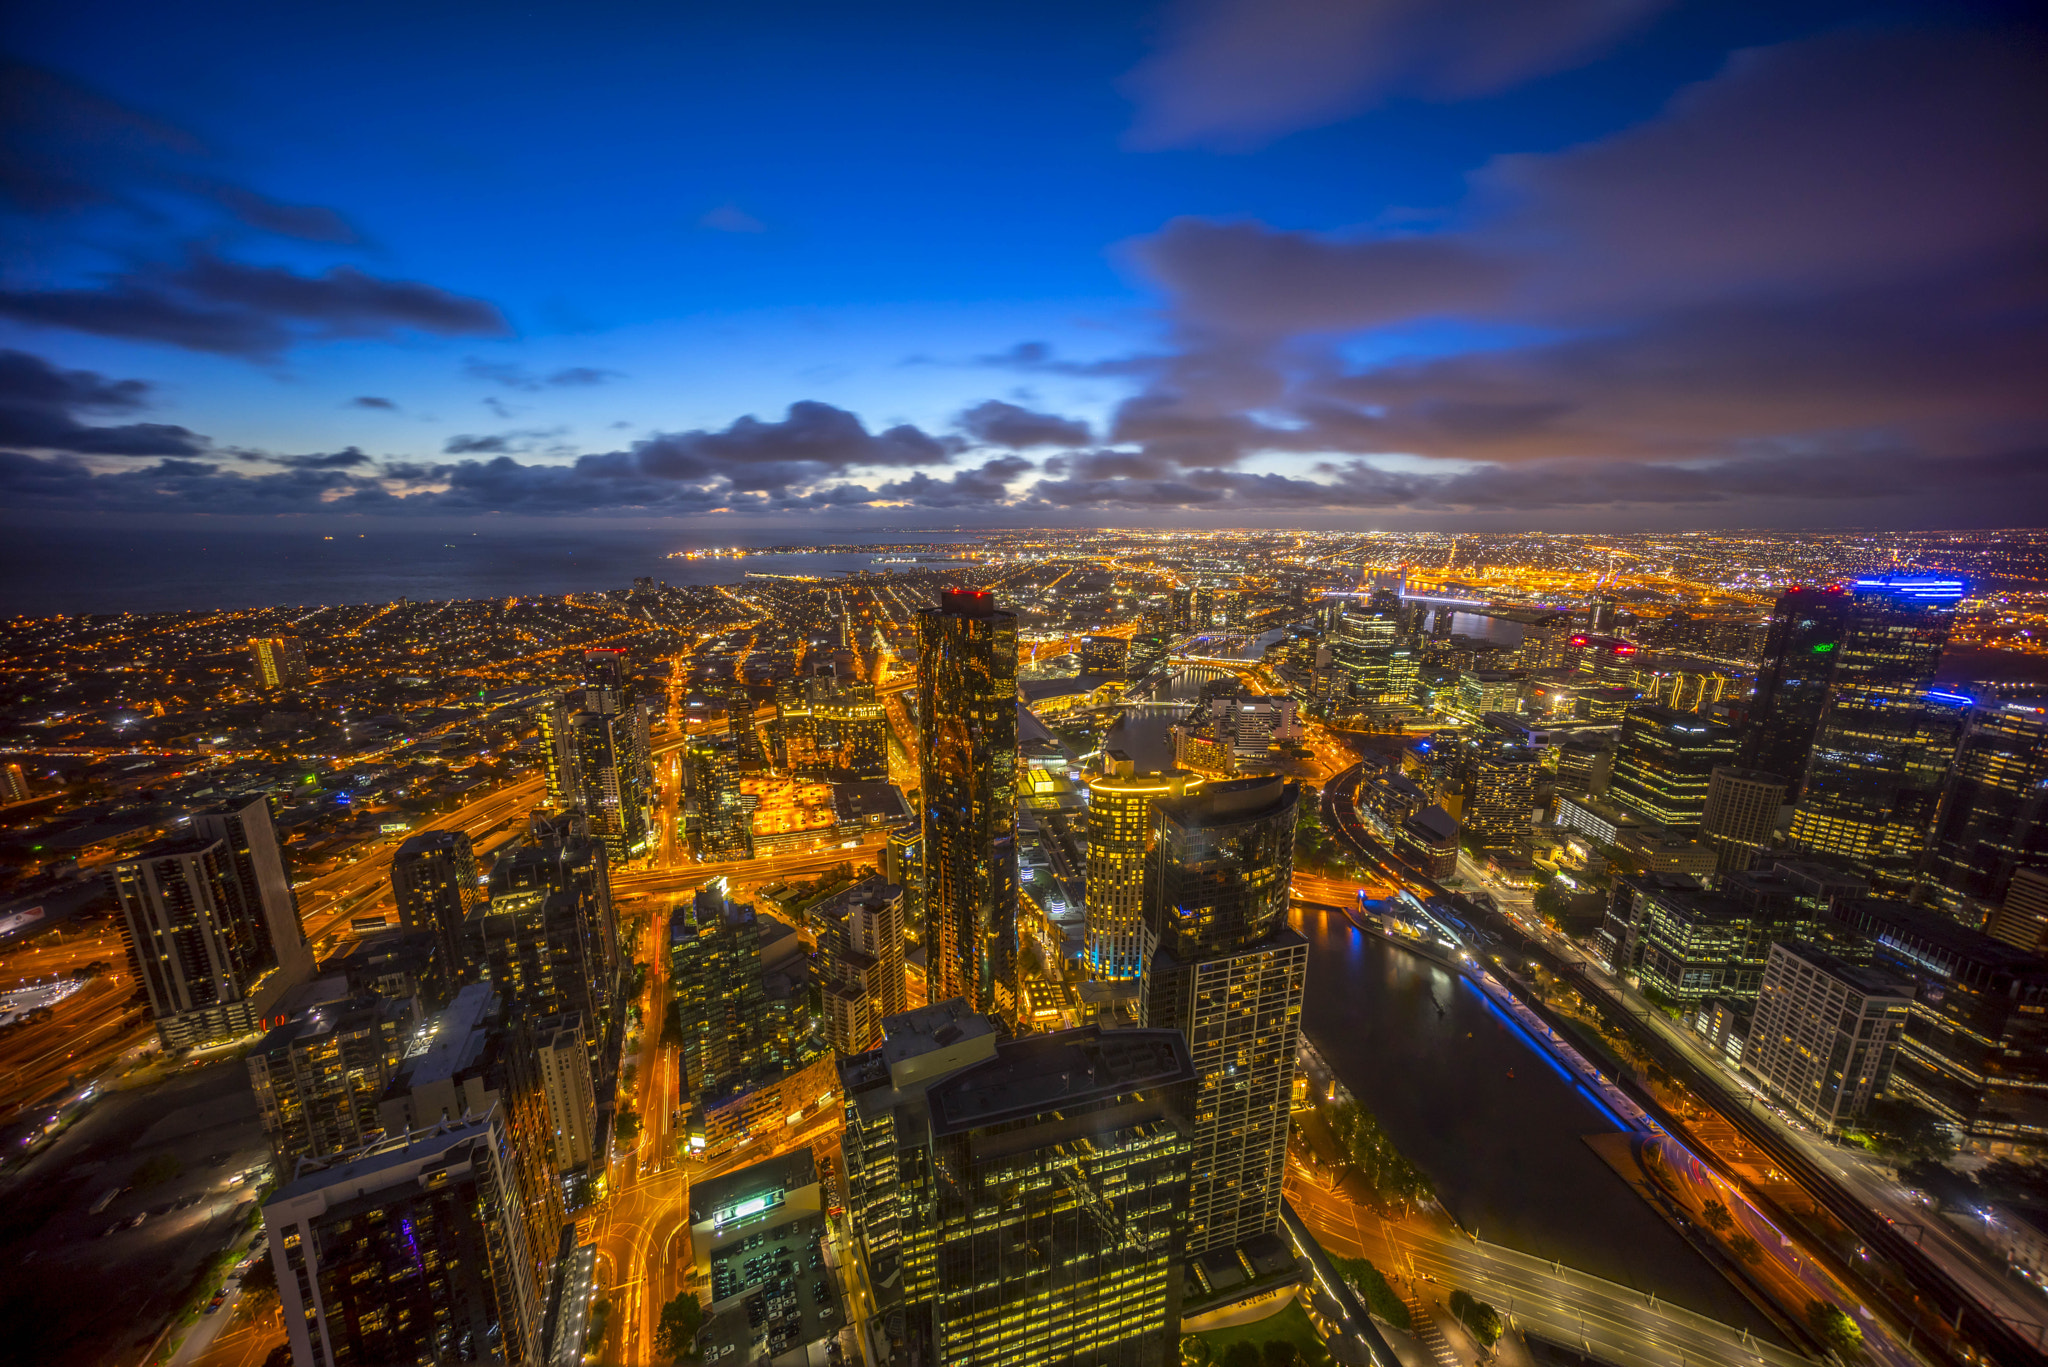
(1039, 1073)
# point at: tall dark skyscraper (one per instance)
(1885, 742)
(720, 825)
(434, 878)
(547, 941)
(967, 711)
(1228, 973)
(1993, 819)
(1792, 687)
(597, 760)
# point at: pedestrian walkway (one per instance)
(1430, 1336)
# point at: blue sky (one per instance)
(1574, 263)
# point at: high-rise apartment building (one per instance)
(720, 820)
(1104, 655)
(548, 941)
(859, 963)
(319, 1077)
(412, 1249)
(1993, 818)
(1119, 842)
(1604, 661)
(479, 1058)
(1805, 631)
(13, 784)
(563, 1064)
(212, 926)
(1025, 1199)
(1885, 742)
(1741, 814)
(1825, 1033)
(1498, 776)
(1226, 971)
(280, 661)
(967, 722)
(435, 881)
(597, 760)
(1664, 764)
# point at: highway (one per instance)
(1427, 1260)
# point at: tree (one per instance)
(675, 1338)
(1717, 1217)
(1241, 1354)
(627, 1125)
(1277, 1353)
(1833, 1328)
(1194, 1351)
(1904, 1133)
(1745, 1249)
(1481, 1319)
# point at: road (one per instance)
(1617, 1324)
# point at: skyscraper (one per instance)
(721, 826)
(1741, 814)
(596, 757)
(1825, 1033)
(434, 878)
(859, 962)
(319, 1076)
(967, 720)
(1119, 839)
(715, 973)
(413, 1249)
(212, 925)
(1885, 741)
(1993, 819)
(280, 661)
(547, 941)
(1665, 762)
(1025, 1199)
(1226, 971)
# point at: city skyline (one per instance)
(1648, 264)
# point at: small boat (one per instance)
(1511, 1075)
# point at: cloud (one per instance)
(1829, 248)
(730, 218)
(1237, 73)
(995, 423)
(372, 401)
(512, 375)
(499, 442)
(215, 305)
(38, 403)
(307, 222)
(968, 488)
(348, 458)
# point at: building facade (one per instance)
(435, 881)
(1224, 969)
(1119, 839)
(1664, 764)
(1825, 1033)
(967, 721)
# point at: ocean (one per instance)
(47, 570)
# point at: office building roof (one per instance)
(1038, 1073)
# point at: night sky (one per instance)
(1389, 263)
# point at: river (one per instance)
(1432, 1059)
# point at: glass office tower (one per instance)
(1119, 838)
(1885, 742)
(1792, 687)
(967, 719)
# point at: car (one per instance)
(135, 1221)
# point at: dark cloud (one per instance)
(212, 304)
(1829, 248)
(348, 458)
(515, 376)
(38, 403)
(995, 423)
(1039, 357)
(966, 489)
(372, 401)
(307, 222)
(1237, 73)
(465, 445)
